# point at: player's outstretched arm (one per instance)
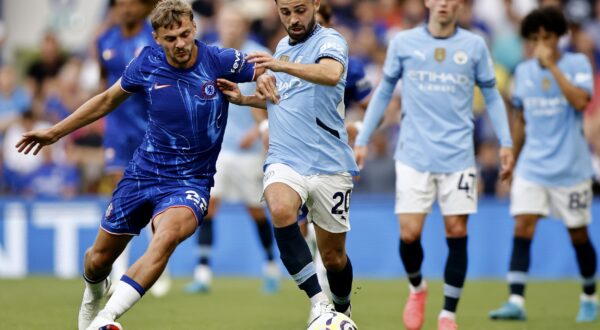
(234, 95)
(327, 72)
(499, 119)
(95, 108)
(379, 102)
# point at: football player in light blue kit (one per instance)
(439, 65)
(168, 182)
(239, 166)
(554, 168)
(309, 160)
(356, 92)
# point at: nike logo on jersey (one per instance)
(157, 86)
(419, 54)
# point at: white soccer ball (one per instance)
(333, 321)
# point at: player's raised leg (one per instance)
(411, 253)
(587, 261)
(514, 309)
(98, 261)
(171, 228)
(284, 203)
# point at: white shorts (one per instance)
(327, 196)
(417, 191)
(239, 178)
(573, 205)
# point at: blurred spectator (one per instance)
(14, 99)
(64, 93)
(378, 174)
(52, 179)
(18, 166)
(47, 65)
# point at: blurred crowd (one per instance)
(58, 80)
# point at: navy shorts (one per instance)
(136, 201)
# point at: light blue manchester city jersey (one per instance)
(306, 128)
(438, 76)
(555, 151)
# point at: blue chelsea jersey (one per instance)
(306, 127)
(115, 51)
(187, 114)
(555, 151)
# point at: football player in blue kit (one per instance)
(168, 181)
(125, 127)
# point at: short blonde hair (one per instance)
(168, 13)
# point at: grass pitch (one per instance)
(237, 303)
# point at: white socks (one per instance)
(318, 297)
(122, 299)
(416, 289)
(517, 300)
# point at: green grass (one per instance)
(234, 303)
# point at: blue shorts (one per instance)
(136, 201)
(119, 150)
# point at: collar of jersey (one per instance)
(314, 31)
(193, 67)
(456, 28)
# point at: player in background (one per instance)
(356, 92)
(239, 166)
(125, 127)
(309, 160)
(168, 181)
(439, 64)
(554, 168)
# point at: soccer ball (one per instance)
(333, 321)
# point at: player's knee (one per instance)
(282, 213)
(409, 237)
(578, 235)
(457, 230)
(97, 261)
(524, 229)
(334, 259)
(166, 241)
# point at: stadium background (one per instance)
(45, 231)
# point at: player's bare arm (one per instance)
(576, 96)
(518, 132)
(327, 72)
(95, 108)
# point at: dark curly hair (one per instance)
(550, 18)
